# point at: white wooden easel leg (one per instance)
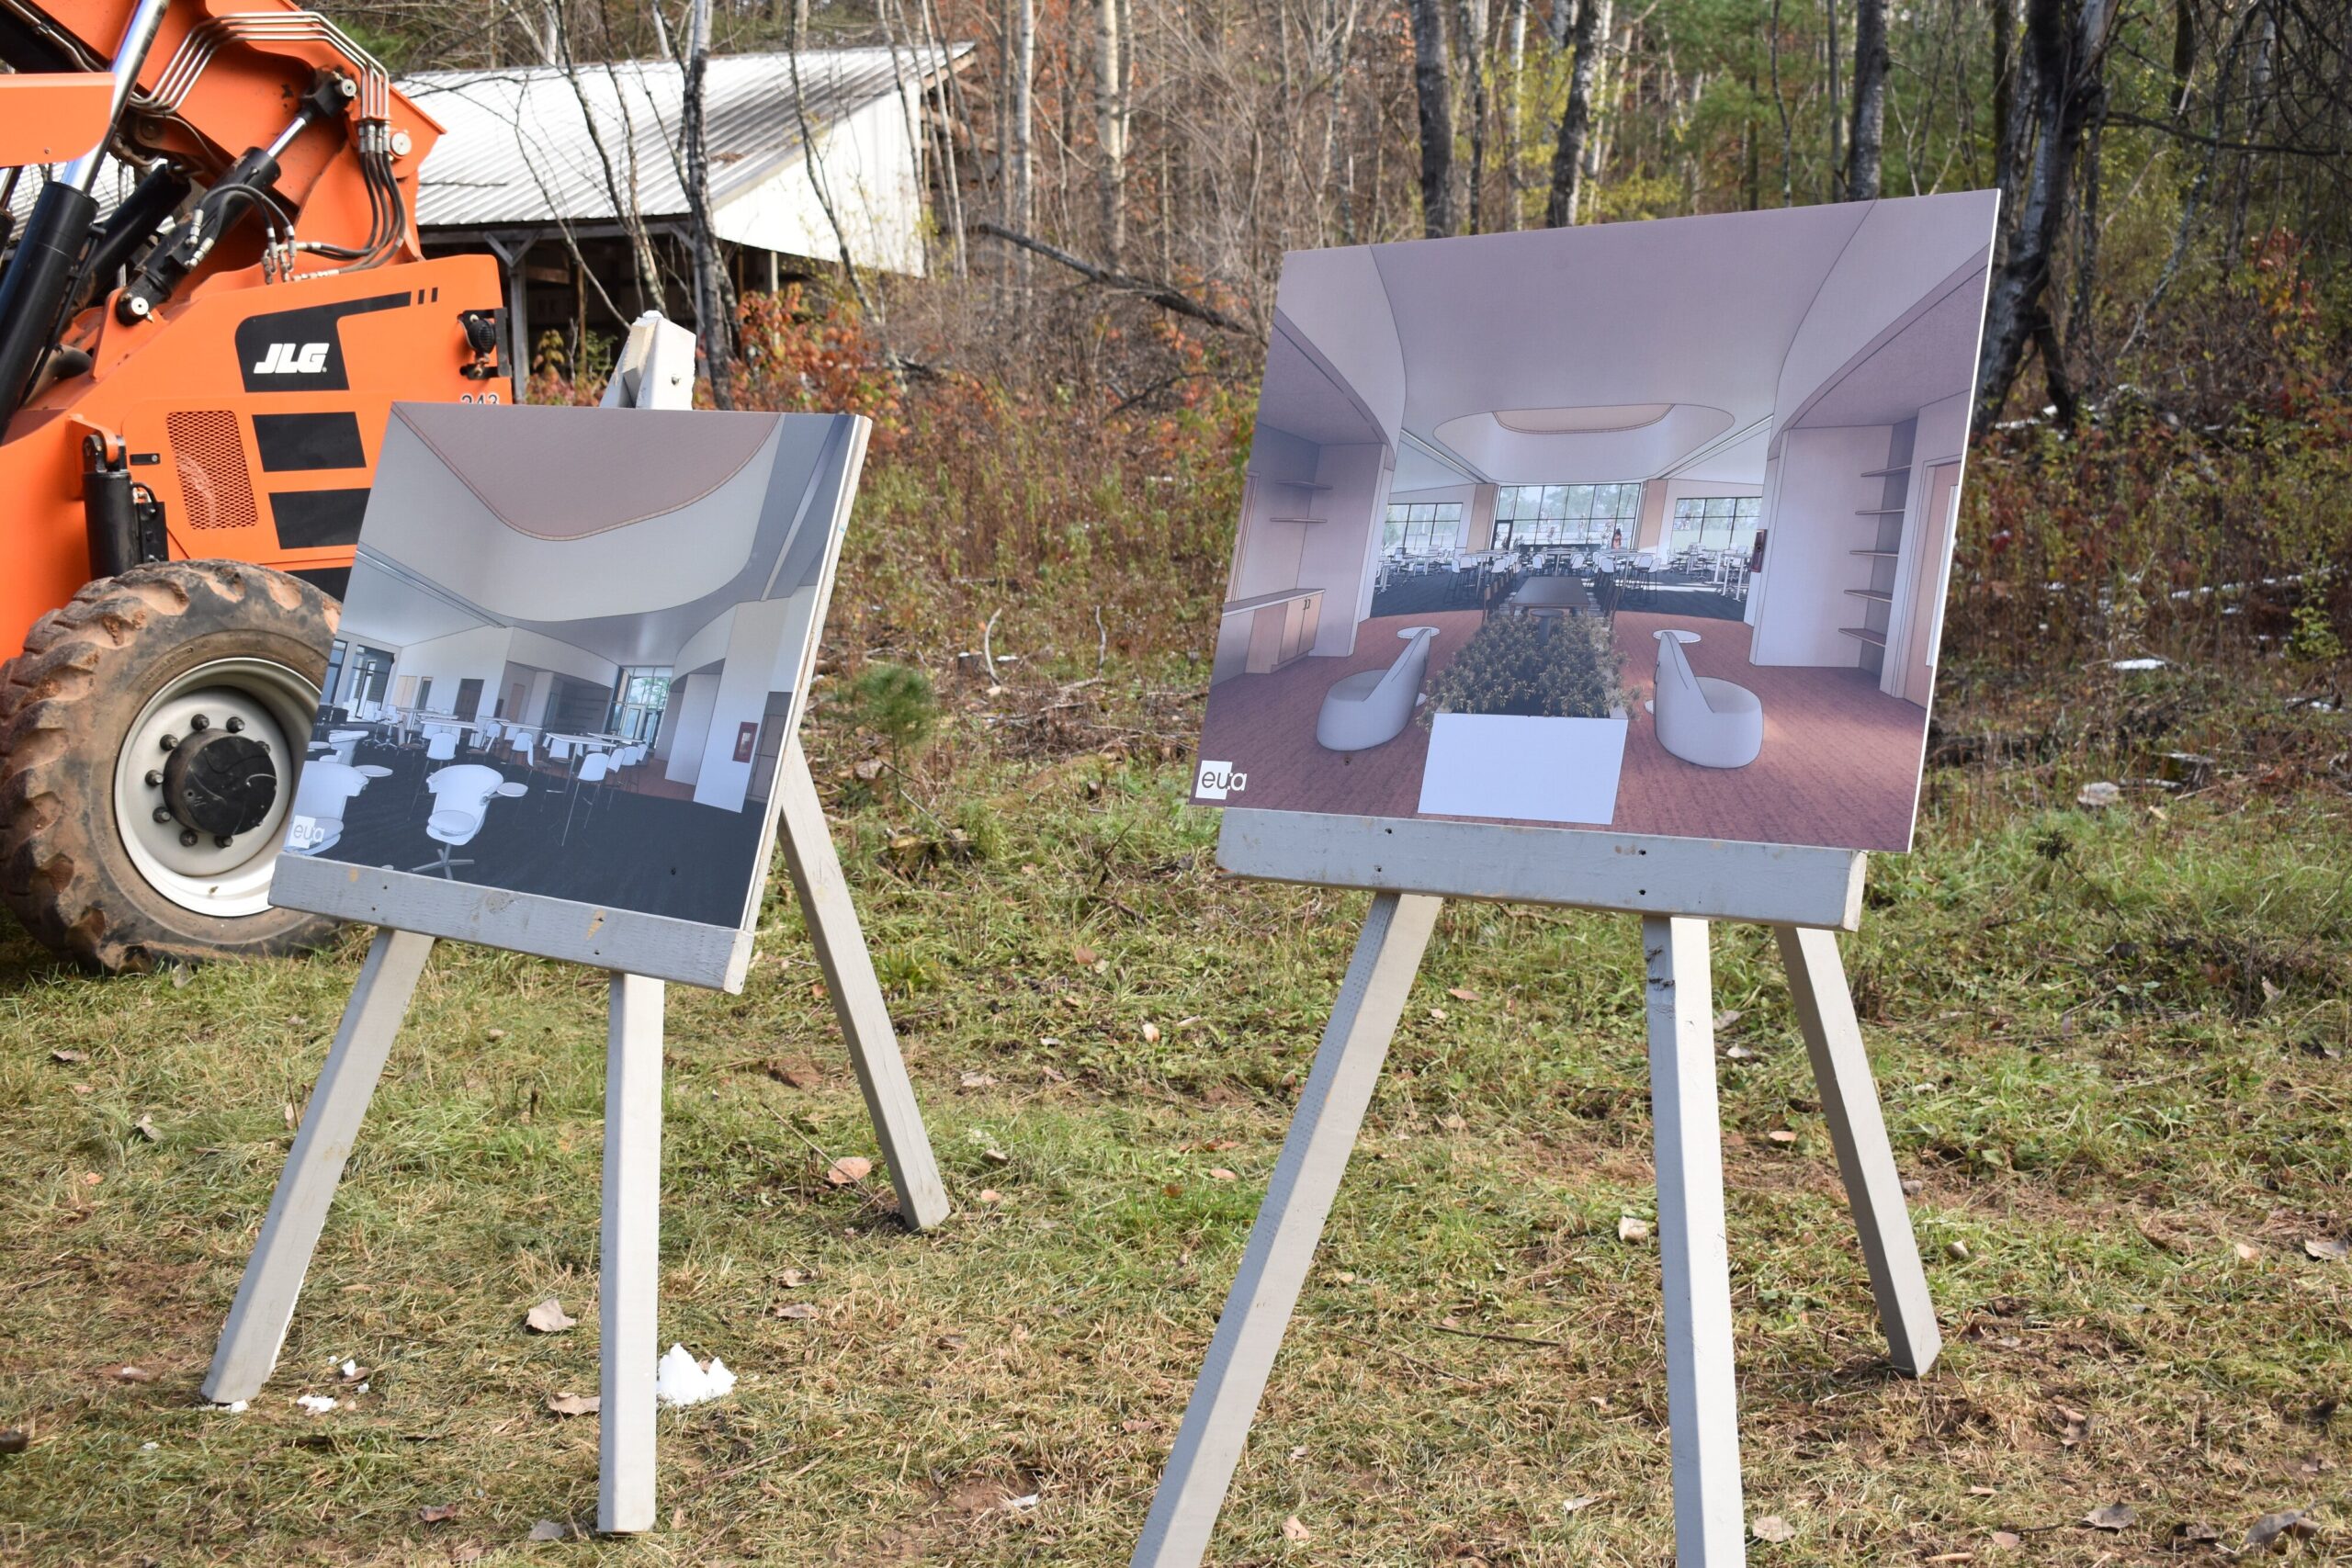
(298, 1209)
(1282, 1244)
(1873, 1187)
(629, 1261)
(1702, 1391)
(857, 998)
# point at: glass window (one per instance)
(1716, 522)
(1422, 529)
(639, 696)
(1570, 514)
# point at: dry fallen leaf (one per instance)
(799, 1075)
(126, 1372)
(548, 1317)
(1631, 1229)
(1782, 1135)
(2193, 1532)
(434, 1513)
(69, 1056)
(1438, 1014)
(549, 1530)
(848, 1170)
(793, 1278)
(1085, 957)
(2113, 1517)
(1773, 1528)
(1294, 1530)
(2328, 1249)
(978, 1080)
(1151, 1034)
(1725, 1019)
(1578, 1504)
(1219, 1173)
(799, 1312)
(2007, 1539)
(990, 1195)
(574, 1405)
(2272, 1531)
(1462, 994)
(2246, 1252)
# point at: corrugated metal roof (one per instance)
(518, 149)
(583, 143)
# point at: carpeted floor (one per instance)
(1427, 592)
(1840, 763)
(1681, 593)
(654, 852)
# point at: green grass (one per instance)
(2112, 1048)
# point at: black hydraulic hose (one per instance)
(34, 290)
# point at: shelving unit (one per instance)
(1299, 505)
(1876, 590)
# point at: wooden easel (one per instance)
(1676, 886)
(654, 369)
(628, 1265)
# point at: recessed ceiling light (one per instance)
(1599, 419)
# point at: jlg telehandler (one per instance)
(194, 385)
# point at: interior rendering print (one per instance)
(1641, 526)
(573, 650)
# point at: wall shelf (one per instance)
(1882, 473)
(1308, 520)
(1863, 634)
(1888, 555)
(1873, 594)
(1879, 512)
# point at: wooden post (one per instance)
(629, 1267)
(1701, 1393)
(298, 1209)
(858, 996)
(1290, 1221)
(1841, 1069)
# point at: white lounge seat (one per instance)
(1701, 720)
(1373, 706)
(460, 803)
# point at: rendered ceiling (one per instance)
(1683, 333)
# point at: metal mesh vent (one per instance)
(210, 460)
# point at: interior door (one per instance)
(1916, 677)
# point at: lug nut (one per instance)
(187, 838)
(235, 726)
(169, 741)
(199, 722)
(154, 778)
(222, 840)
(162, 814)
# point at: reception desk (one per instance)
(1262, 633)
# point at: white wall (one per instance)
(1814, 529)
(1267, 553)
(476, 655)
(1342, 557)
(689, 725)
(753, 643)
(545, 653)
(1942, 438)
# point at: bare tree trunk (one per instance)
(1866, 160)
(1514, 79)
(1780, 104)
(1434, 93)
(1021, 189)
(714, 315)
(1111, 125)
(1837, 113)
(1576, 120)
(1474, 51)
(1602, 98)
(2065, 60)
(2184, 51)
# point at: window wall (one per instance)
(1424, 529)
(1715, 522)
(638, 697)
(1566, 515)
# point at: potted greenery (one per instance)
(1528, 723)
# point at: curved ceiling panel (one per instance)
(1506, 456)
(579, 534)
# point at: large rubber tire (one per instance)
(66, 705)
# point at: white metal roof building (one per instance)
(545, 150)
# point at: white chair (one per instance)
(592, 769)
(440, 746)
(346, 742)
(460, 803)
(1712, 723)
(1373, 706)
(325, 792)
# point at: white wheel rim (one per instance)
(276, 705)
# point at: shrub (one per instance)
(1559, 668)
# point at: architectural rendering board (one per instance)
(1641, 527)
(572, 660)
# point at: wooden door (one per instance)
(1932, 551)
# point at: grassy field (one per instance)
(2112, 1045)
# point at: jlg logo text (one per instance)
(292, 360)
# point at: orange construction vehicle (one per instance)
(193, 386)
